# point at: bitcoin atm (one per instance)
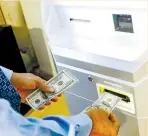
(104, 44)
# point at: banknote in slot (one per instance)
(124, 97)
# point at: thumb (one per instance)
(41, 85)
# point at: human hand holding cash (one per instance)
(61, 82)
(105, 123)
(26, 83)
(106, 102)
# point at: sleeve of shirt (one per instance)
(8, 73)
(79, 125)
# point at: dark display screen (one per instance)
(123, 23)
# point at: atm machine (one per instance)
(104, 44)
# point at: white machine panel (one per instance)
(104, 43)
(92, 28)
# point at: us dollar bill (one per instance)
(106, 102)
(61, 82)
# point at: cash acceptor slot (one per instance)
(124, 97)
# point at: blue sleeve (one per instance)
(8, 73)
(79, 125)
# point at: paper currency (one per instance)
(36, 99)
(61, 82)
(106, 102)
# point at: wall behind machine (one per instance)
(11, 14)
(32, 14)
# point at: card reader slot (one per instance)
(125, 98)
(80, 20)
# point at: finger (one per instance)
(113, 132)
(41, 108)
(114, 120)
(41, 85)
(103, 113)
(44, 81)
(54, 100)
(48, 103)
(59, 95)
(98, 112)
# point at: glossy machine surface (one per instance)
(104, 44)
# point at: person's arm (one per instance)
(8, 73)
(93, 123)
(26, 81)
(79, 125)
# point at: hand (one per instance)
(103, 123)
(27, 82)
